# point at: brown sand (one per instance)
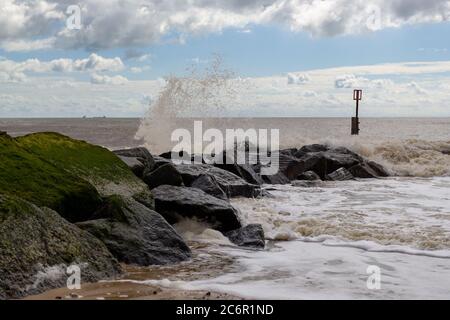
(204, 264)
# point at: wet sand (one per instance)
(204, 264)
(117, 290)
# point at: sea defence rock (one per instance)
(175, 203)
(363, 170)
(165, 174)
(379, 170)
(233, 185)
(278, 178)
(324, 160)
(209, 184)
(290, 166)
(245, 171)
(24, 173)
(309, 176)
(251, 235)
(134, 164)
(340, 174)
(141, 154)
(97, 165)
(37, 245)
(135, 234)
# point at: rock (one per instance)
(245, 171)
(29, 169)
(160, 161)
(340, 174)
(174, 203)
(181, 154)
(233, 185)
(278, 178)
(287, 164)
(309, 176)
(307, 183)
(165, 174)
(96, 165)
(326, 162)
(141, 154)
(290, 166)
(251, 235)
(314, 148)
(37, 245)
(208, 184)
(363, 170)
(135, 234)
(378, 169)
(317, 163)
(134, 164)
(289, 152)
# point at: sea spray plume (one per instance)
(203, 92)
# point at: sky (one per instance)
(288, 57)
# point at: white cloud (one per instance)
(385, 94)
(16, 71)
(104, 79)
(126, 23)
(416, 88)
(27, 45)
(298, 79)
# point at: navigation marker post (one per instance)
(357, 96)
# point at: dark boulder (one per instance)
(245, 171)
(209, 184)
(134, 164)
(233, 185)
(175, 203)
(278, 178)
(340, 174)
(165, 174)
(251, 235)
(363, 170)
(290, 166)
(37, 245)
(141, 154)
(289, 152)
(314, 148)
(326, 162)
(317, 163)
(160, 161)
(134, 234)
(378, 169)
(309, 176)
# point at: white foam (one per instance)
(405, 212)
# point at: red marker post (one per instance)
(357, 96)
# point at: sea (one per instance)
(365, 239)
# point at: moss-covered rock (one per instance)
(101, 167)
(67, 175)
(38, 180)
(36, 246)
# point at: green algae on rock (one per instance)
(37, 245)
(36, 179)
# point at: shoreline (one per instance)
(127, 290)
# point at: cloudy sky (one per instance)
(297, 57)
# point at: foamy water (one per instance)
(323, 238)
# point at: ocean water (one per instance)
(321, 239)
